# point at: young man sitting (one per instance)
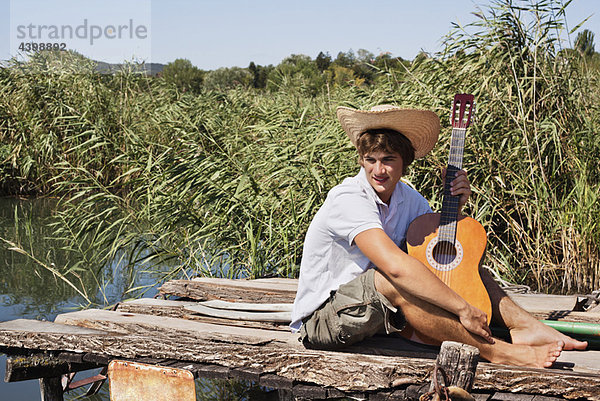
(356, 278)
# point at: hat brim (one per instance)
(421, 127)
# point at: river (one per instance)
(28, 290)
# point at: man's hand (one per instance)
(475, 321)
(460, 186)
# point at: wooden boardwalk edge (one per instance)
(280, 290)
(126, 335)
(169, 332)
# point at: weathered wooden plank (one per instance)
(335, 393)
(342, 370)
(130, 323)
(248, 307)
(98, 358)
(212, 371)
(265, 284)
(154, 306)
(271, 336)
(567, 316)
(229, 290)
(246, 373)
(544, 301)
(72, 357)
(542, 306)
(535, 381)
(159, 307)
(309, 391)
(279, 353)
(555, 307)
(275, 381)
(47, 327)
(127, 323)
(275, 317)
(391, 395)
(512, 397)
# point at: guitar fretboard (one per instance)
(450, 203)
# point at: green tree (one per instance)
(323, 61)
(299, 71)
(184, 75)
(385, 61)
(363, 66)
(342, 76)
(365, 56)
(260, 74)
(227, 78)
(347, 59)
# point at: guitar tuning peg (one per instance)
(453, 106)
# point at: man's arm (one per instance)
(413, 277)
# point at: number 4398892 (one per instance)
(34, 46)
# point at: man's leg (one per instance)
(354, 312)
(441, 325)
(524, 328)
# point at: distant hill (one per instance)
(151, 68)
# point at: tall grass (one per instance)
(226, 182)
(535, 150)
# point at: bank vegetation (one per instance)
(220, 172)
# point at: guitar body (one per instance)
(460, 270)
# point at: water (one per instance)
(29, 291)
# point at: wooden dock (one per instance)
(169, 333)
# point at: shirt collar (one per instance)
(396, 198)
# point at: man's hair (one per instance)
(386, 140)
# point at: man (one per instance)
(356, 278)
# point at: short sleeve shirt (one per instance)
(330, 258)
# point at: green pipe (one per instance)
(585, 329)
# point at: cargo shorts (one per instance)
(352, 313)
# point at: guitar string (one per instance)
(456, 160)
(448, 246)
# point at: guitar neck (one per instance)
(450, 203)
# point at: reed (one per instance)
(225, 182)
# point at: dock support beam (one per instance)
(51, 389)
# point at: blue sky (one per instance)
(221, 33)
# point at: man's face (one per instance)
(383, 170)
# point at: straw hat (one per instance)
(421, 127)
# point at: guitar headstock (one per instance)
(463, 110)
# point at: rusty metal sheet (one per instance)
(132, 381)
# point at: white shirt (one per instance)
(330, 258)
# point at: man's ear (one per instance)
(361, 161)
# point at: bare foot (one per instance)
(538, 356)
(538, 333)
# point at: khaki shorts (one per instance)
(354, 312)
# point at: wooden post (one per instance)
(459, 361)
(51, 389)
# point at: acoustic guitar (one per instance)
(452, 245)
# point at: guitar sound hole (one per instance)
(444, 252)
